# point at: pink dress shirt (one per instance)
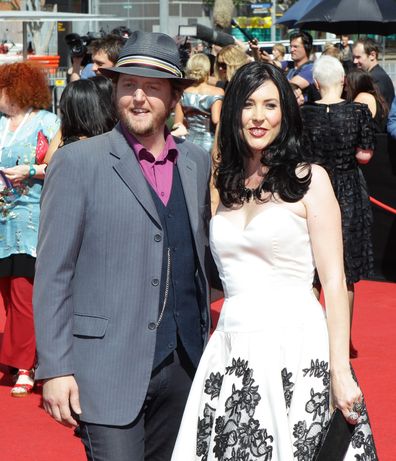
(157, 171)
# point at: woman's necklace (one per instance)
(257, 175)
(6, 130)
(248, 194)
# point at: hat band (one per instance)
(153, 63)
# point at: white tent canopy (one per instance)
(50, 16)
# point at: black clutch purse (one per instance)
(336, 440)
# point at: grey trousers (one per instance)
(152, 435)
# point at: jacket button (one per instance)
(151, 326)
(157, 237)
(155, 282)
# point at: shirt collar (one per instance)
(169, 151)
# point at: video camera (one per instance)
(184, 52)
(78, 44)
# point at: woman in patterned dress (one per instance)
(25, 128)
(277, 363)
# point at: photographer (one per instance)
(104, 53)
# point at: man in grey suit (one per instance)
(121, 296)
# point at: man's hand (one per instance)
(254, 48)
(60, 396)
(76, 68)
(258, 54)
(76, 62)
(266, 57)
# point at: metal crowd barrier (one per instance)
(57, 79)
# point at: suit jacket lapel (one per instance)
(188, 174)
(129, 171)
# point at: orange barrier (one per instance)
(46, 62)
(382, 205)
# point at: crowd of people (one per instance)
(238, 172)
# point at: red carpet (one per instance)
(28, 434)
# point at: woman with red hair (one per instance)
(25, 130)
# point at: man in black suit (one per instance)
(365, 56)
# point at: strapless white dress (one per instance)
(261, 391)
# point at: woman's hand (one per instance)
(17, 174)
(347, 395)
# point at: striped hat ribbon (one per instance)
(150, 62)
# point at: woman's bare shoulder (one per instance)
(214, 90)
(320, 187)
(316, 172)
(319, 175)
(364, 98)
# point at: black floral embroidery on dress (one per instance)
(308, 438)
(239, 367)
(205, 425)
(318, 404)
(237, 434)
(318, 370)
(226, 436)
(237, 455)
(360, 440)
(213, 385)
(288, 386)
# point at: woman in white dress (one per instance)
(277, 363)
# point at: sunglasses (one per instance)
(222, 65)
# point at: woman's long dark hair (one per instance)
(106, 95)
(282, 157)
(359, 81)
(83, 112)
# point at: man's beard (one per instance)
(135, 128)
(141, 130)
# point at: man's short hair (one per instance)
(306, 39)
(110, 44)
(369, 46)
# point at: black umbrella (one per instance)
(352, 17)
(296, 12)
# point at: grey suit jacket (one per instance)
(98, 257)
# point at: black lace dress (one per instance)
(330, 137)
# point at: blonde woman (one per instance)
(331, 50)
(278, 53)
(228, 60)
(198, 111)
